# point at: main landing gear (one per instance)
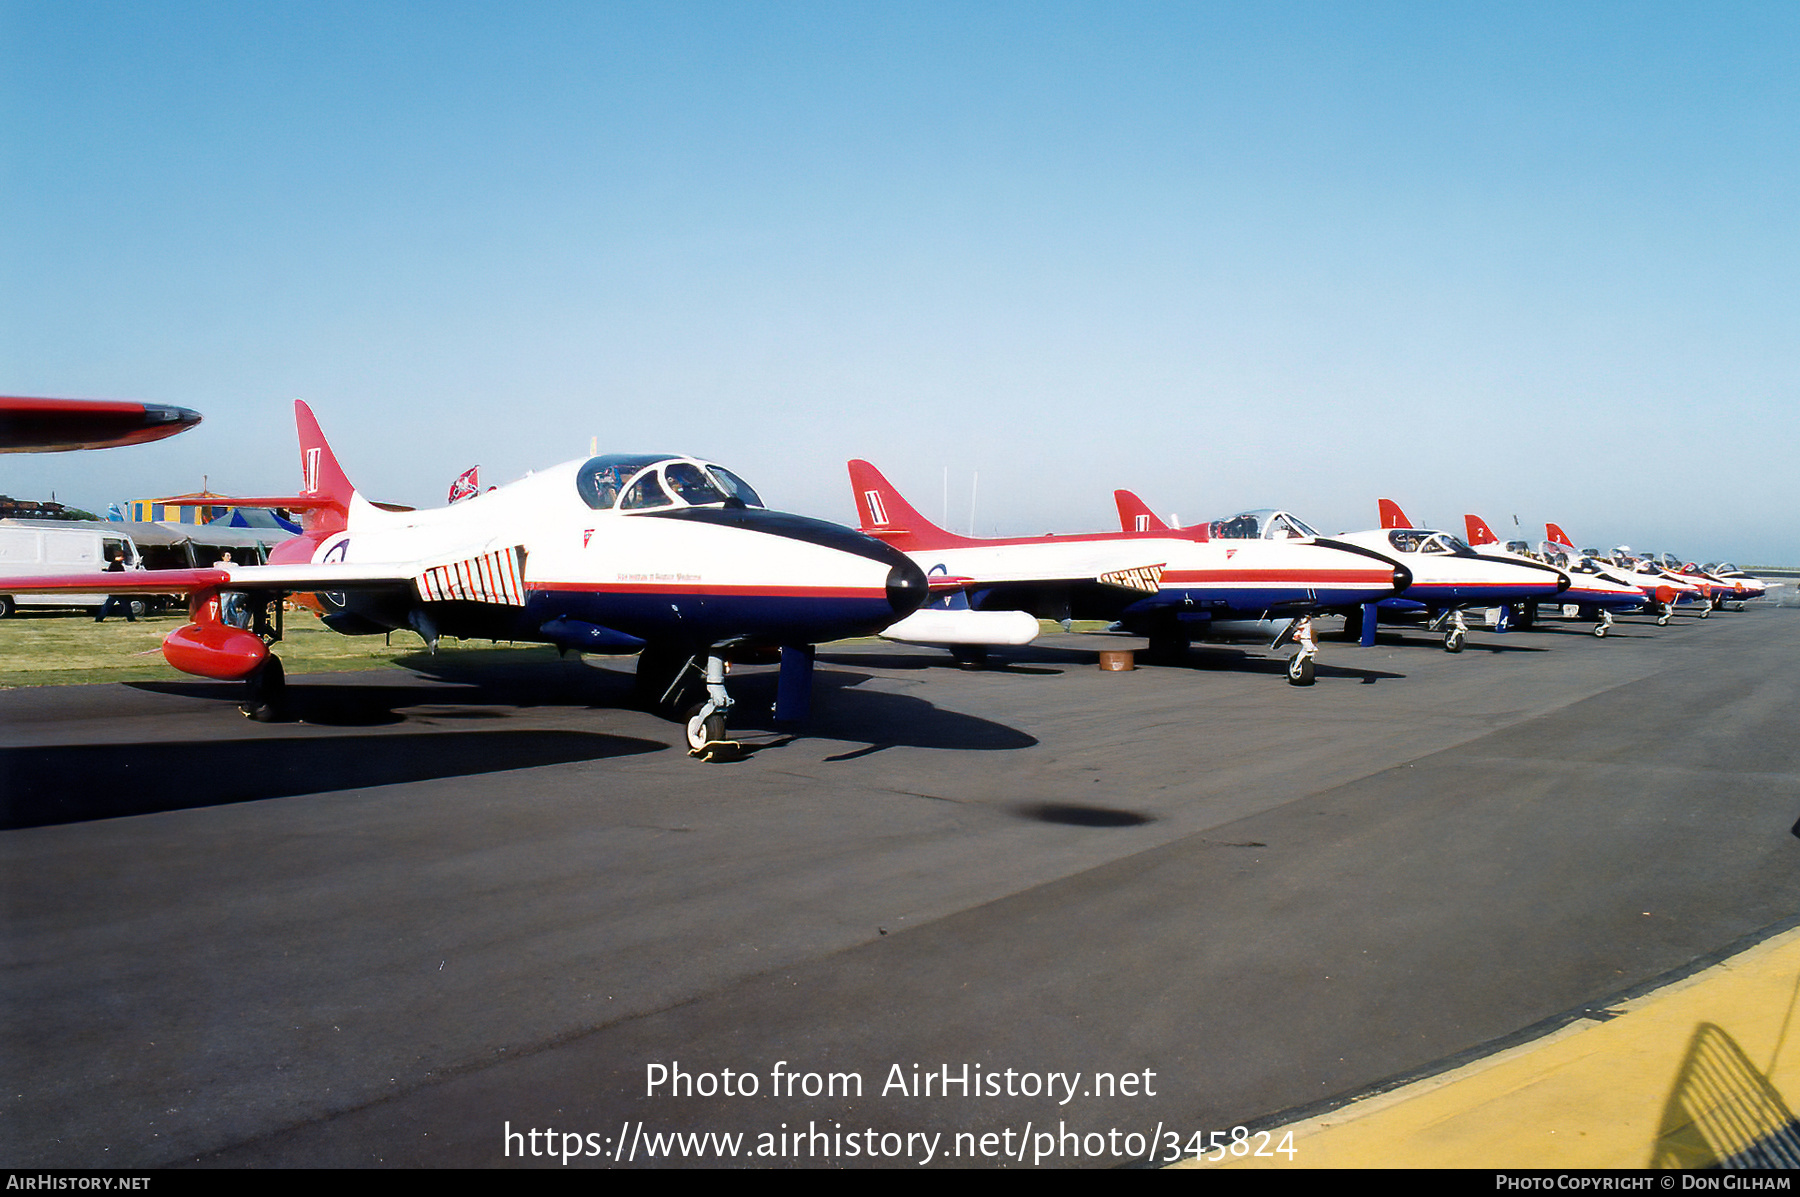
(1605, 624)
(260, 615)
(267, 700)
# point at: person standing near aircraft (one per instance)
(115, 600)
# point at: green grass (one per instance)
(40, 648)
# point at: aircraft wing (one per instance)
(128, 581)
(492, 577)
(53, 425)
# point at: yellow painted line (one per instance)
(1683, 1077)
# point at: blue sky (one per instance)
(1531, 260)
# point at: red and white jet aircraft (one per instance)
(1444, 574)
(1449, 577)
(671, 557)
(1597, 591)
(1168, 586)
(1663, 590)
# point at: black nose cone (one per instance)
(906, 588)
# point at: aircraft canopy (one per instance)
(1264, 523)
(642, 481)
(1412, 540)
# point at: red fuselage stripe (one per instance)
(697, 589)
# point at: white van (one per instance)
(29, 547)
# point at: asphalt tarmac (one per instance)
(440, 916)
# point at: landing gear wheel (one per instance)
(970, 656)
(268, 692)
(1662, 621)
(1600, 630)
(1453, 640)
(1705, 610)
(702, 731)
(706, 736)
(7, 606)
(1300, 670)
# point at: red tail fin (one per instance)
(322, 478)
(883, 513)
(1555, 535)
(1391, 515)
(1135, 514)
(1479, 532)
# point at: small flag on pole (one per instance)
(466, 486)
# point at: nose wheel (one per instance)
(1300, 665)
(706, 722)
(1459, 631)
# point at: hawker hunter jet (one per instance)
(1712, 580)
(1745, 585)
(1168, 586)
(1662, 592)
(1445, 575)
(1596, 592)
(54, 425)
(670, 557)
(1449, 577)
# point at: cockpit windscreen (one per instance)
(635, 482)
(1265, 523)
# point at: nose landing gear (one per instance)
(706, 722)
(1459, 631)
(1300, 665)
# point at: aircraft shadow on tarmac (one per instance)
(1494, 642)
(1200, 656)
(998, 661)
(841, 710)
(45, 786)
(475, 689)
(1212, 658)
(482, 690)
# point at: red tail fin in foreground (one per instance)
(1135, 514)
(1391, 515)
(1479, 532)
(324, 498)
(1556, 535)
(884, 514)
